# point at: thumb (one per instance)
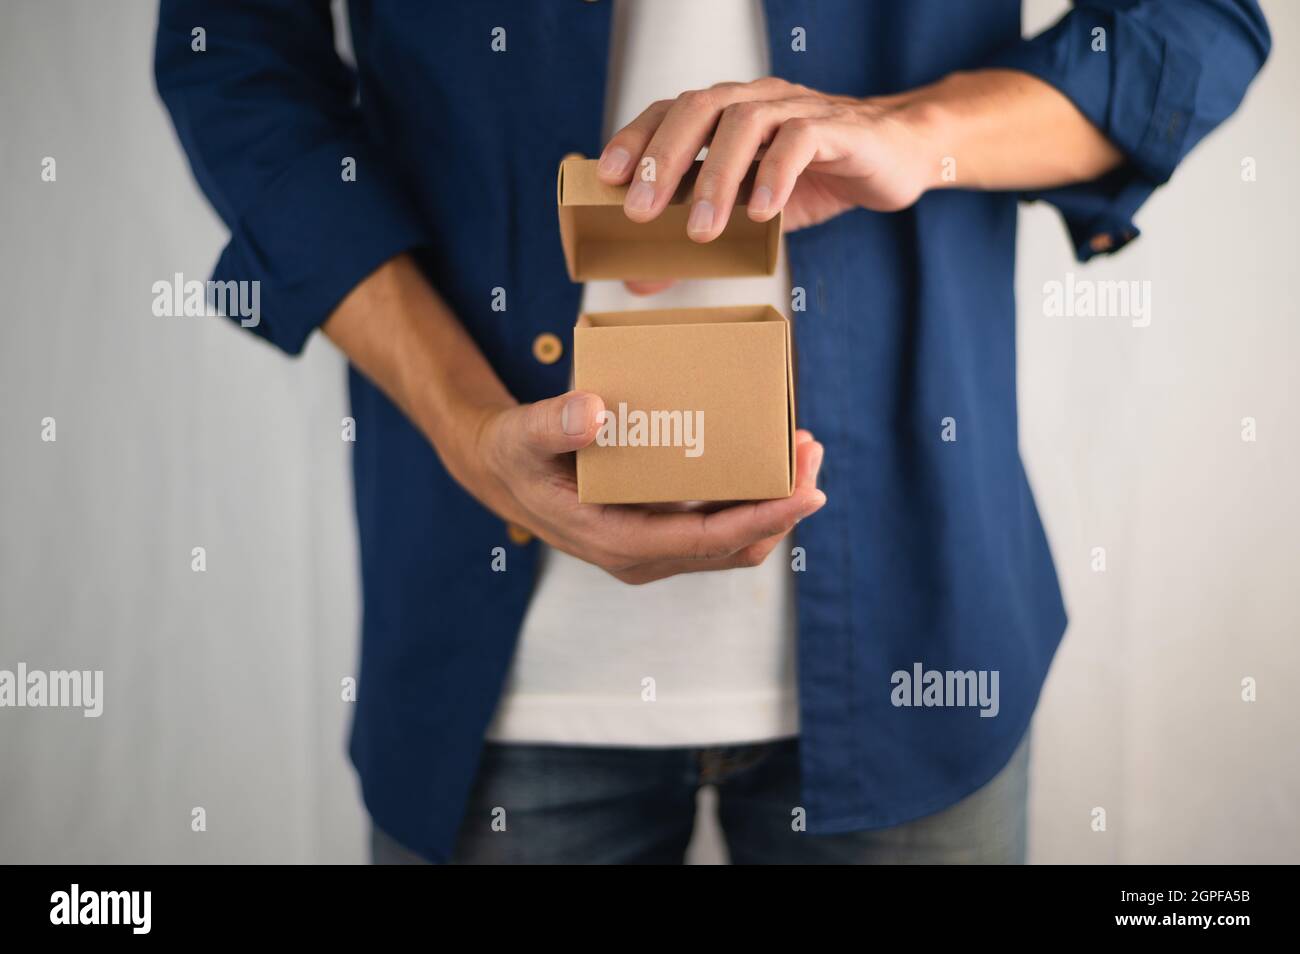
(560, 424)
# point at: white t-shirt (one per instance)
(696, 659)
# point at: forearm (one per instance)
(1004, 130)
(399, 333)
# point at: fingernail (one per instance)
(640, 197)
(614, 161)
(760, 201)
(701, 219)
(575, 416)
(818, 498)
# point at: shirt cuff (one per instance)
(1140, 92)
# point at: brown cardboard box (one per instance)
(700, 400)
(712, 387)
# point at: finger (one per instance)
(678, 139)
(752, 556)
(625, 537)
(649, 288)
(616, 161)
(557, 425)
(794, 146)
(756, 554)
(808, 463)
(634, 536)
(742, 130)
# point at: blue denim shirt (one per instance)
(929, 551)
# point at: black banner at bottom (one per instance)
(212, 904)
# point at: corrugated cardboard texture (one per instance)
(732, 364)
(601, 242)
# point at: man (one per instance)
(896, 138)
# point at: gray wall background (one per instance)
(223, 688)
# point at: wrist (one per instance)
(455, 414)
(930, 129)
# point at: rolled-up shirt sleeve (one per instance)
(266, 112)
(1155, 76)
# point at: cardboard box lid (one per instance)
(736, 363)
(601, 242)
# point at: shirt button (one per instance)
(1101, 243)
(547, 348)
(518, 535)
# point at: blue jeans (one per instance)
(592, 805)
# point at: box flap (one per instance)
(601, 242)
